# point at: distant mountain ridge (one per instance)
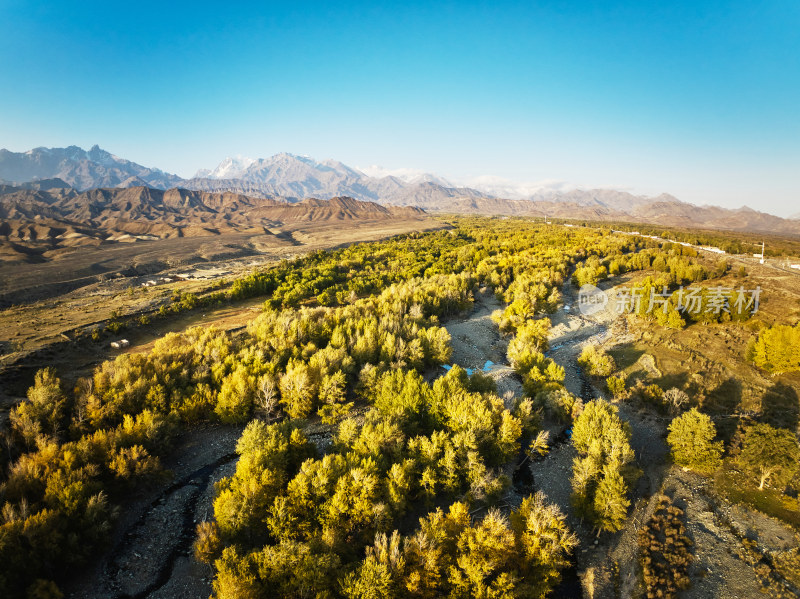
(80, 169)
(293, 178)
(175, 212)
(38, 225)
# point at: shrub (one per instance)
(616, 386)
(676, 400)
(560, 403)
(665, 551)
(115, 326)
(207, 545)
(650, 394)
(44, 589)
(596, 361)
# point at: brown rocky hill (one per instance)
(36, 225)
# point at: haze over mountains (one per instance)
(80, 169)
(291, 177)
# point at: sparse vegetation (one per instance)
(666, 551)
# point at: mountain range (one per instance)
(39, 225)
(293, 178)
(28, 215)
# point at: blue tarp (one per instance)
(486, 367)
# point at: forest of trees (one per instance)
(338, 329)
(405, 500)
(777, 349)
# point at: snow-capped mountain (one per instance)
(289, 175)
(80, 168)
(230, 168)
(408, 175)
(296, 177)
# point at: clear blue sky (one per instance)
(698, 99)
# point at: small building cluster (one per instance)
(711, 248)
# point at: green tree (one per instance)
(401, 394)
(599, 488)
(543, 542)
(44, 409)
(372, 580)
(235, 399)
(777, 349)
(485, 551)
(691, 439)
(596, 361)
(616, 386)
(610, 500)
(673, 319)
(560, 403)
(770, 455)
(599, 432)
(297, 391)
(207, 545)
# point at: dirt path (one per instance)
(476, 339)
(608, 563)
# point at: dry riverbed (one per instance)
(150, 555)
(608, 566)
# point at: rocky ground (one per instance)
(607, 566)
(150, 554)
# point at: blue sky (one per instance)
(698, 99)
